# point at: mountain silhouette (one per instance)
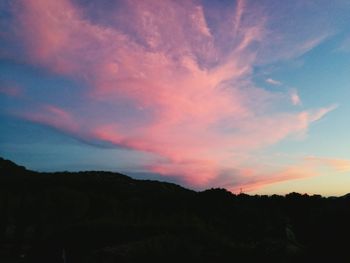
(97, 216)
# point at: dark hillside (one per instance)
(109, 217)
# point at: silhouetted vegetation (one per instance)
(109, 217)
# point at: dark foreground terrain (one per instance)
(109, 217)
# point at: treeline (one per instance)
(109, 217)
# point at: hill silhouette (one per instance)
(108, 217)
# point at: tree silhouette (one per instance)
(109, 217)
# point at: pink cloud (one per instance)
(10, 90)
(339, 165)
(310, 166)
(200, 103)
(55, 117)
(256, 181)
(294, 97)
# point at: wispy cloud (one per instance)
(190, 99)
(339, 165)
(303, 168)
(294, 97)
(10, 89)
(273, 82)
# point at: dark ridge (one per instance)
(106, 217)
(8, 167)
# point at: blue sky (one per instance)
(236, 94)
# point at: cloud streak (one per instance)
(165, 84)
(273, 82)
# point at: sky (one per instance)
(250, 96)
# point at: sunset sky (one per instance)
(233, 94)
